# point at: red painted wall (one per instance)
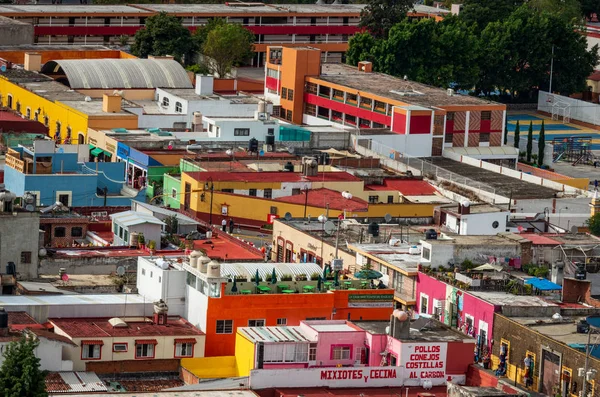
(399, 123)
(420, 124)
(449, 126)
(348, 109)
(459, 357)
(486, 126)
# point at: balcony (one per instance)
(289, 285)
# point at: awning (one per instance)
(96, 151)
(92, 147)
(92, 342)
(107, 154)
(185, 340)
(146, 342)
(542, 284)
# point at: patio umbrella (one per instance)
(487, 266)
(319, 280)
(325, 273)
(257, 278)
(273, 277)
(234, 286)
(336, 280)
(368, 274)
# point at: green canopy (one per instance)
(96, 152)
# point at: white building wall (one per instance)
(258, 129)
(482, 224)
(154, 283)
(196, 306)
(48, 351)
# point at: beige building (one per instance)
(160, 339)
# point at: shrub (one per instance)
(286, 277)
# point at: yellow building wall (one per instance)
(211, 367)
(107, 122)
(55, 111)
(401, 210)
(244, 355)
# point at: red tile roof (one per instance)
(279, 176)
(595, 76)
(538, 239)
(321, 197)
(222, 249)
(40, 333)
(407, 187)
(100, 328)
(20, 318)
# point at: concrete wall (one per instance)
(586, 112)
(20, 234)
(14, 33)
(48, 351)
(86, 265)
(155, 283)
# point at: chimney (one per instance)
(111, 103)
(365, 66)
(399, 325)
(33, 61)
(204, 84)
(465, 207)
(160, 313)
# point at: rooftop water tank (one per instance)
(194, 256)
(203, 262)
(214, 269)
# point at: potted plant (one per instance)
(287, 277)
(301, 277)
(152, 247)
(253, 279)
(315, 276)
(141, 241)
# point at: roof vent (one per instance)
(116, 322)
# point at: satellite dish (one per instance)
(3, 68)
(287, 216)
(329, 227)
(387, 218)
(574, 229)
(121, 270)
(261, 153)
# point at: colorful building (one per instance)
(364, 353)
(207, 296)
(63, 174)
(420, 120)
(325, 26)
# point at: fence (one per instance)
(400, 162)
(561, 106)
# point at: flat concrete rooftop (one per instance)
(504, 185)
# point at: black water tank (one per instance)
(3, 319)
(580, 273)
(430, 234)
(374, 229)
(270, 140)
(11, 268)
(253, 145)
(289, 167)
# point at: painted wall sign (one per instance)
(371, 300)
(424, 361)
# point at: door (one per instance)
(550, 372)
(187, 197)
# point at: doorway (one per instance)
(550, 372)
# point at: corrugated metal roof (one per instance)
(181, 219)
(265, 270)
(121, 73)
(273, 334)
(82, 382)
(130, 218)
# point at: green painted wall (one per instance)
(186, 166)
(170, 183)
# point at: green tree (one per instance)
(590, 7)
(541, 144)
(164, 34)
(568, 10)
(506, 130)
(379, 16)
(517, 137)
(201, 33)
(483, 12)
(227, 45)
(20, 374)
(594, 224)
(360, 47)
(529, 141)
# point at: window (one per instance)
(77, 231)
(268, 193)
(390, 199)
(241, 132)
(284, 93)
(373, 199)
(174, 193)
(484, 137)
(311, 88)
(18, 109)
(450, 116)
(58, 126)
(296, 191)
(337, 94)
(144, 272)
(351, 98)
(309, 109)
(144, 350)
(36, 115)
(288, 115)
(224, 326)
(448, 138)
(273, 210)
(486, 115)
(90, 351)
(424, 304)
(282, 321)
(365, 102)
(60, 232)
(341, 353)
(426, 253)
(273, 73)
(178, 107)
(286, 352)
(69, 130)
(290, 94)
(64, 199)
(252, 192)
(120, 347)
(227, 190)
(256, 323)
(184, 349)
(312, 352)
(9, 101)
(28, 113)
(25, 256)
(165, 101)
(46, 121)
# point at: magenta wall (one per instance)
(432, 287)
(420, 124)
(327, 340)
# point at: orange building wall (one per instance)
(18, 56)
(293, 307)
(299, 63)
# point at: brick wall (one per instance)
(356, 163)
(575, 291)
(436, 146)
(473, 139)
(496, 138)
(523, 339)
(187, 377)
(104, 367)
(458, 140)
(474, 121)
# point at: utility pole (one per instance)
(551, 69)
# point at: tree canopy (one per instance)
(379, 16)
(164, 34)
(594, 224)
(227, 45)
(20, 374)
